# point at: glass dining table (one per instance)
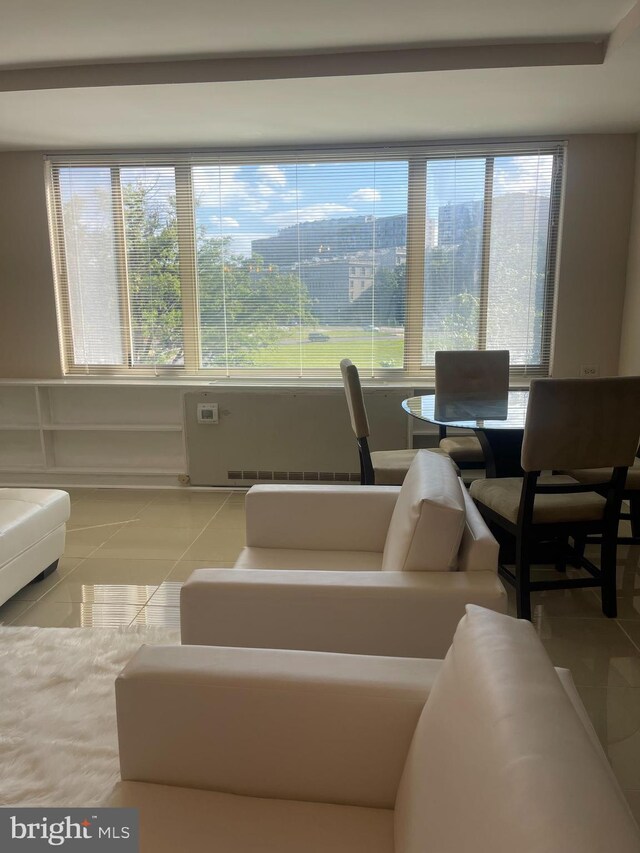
(498, 423)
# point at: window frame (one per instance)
(417, 158)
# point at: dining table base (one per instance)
(502, 449)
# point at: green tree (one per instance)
(243, 304)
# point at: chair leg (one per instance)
(562, 553)
(608, 554)
(523, 577)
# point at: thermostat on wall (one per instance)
(207, 413)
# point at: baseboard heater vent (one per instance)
(295, 476)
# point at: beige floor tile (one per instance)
(149, 543)
(217, 544)
(57, 614)
(167, 617)
(174, 497)
(633, 798)
(76, 493)
(615, 714)
(566, 602)
(632, 629)
(183, 569)
(82, 543)
(112, 580)
(597, 651)
(229, 518)
(90, 513)
(195, 515)
(131, 500)
(11, 609)
(166, 595)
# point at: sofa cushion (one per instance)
(293, 558)
(27, 516)
(194, 821)
(500, 754)
(428, 520)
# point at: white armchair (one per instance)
(379, 570)
(249, 750)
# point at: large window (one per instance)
(256, 265)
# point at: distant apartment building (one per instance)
(335, 282)
(335, 237)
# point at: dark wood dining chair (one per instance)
(570, 424)
(380, 467)
(630, 493)
(469, 373)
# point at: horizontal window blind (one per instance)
(282, 263)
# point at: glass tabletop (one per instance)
(471, 411)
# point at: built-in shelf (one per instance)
(113, 427)
(83, 433)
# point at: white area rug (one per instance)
(58, 739)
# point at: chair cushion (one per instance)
(326, 561)
(391, 466)
(463, 448)
(502, 495)
(27, 516)
(500, 754)
(598, 475)
(193, 821)
(428, 520)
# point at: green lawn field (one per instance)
(383, 348)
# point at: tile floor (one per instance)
(128, 552)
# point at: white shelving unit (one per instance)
(91, 433)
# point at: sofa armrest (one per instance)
(406, 614)
(320, 518)
(264, 723)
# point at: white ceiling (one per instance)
(467, 103)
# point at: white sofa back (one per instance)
(501, 759)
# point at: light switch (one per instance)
(207, 413)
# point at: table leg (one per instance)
(502, 449)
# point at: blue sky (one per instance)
(249, 201)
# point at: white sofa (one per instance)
(380, 570)
(32, 532)
(248, 750)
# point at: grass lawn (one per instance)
(382, 349)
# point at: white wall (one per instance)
(592, 271)
(630, 337)
(28, 328)
(593, 253)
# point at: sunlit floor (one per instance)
(129, 551)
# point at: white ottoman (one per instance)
(32, 529)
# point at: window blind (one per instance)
(282, 263)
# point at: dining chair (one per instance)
(469, 373)
(380, 467)
(630, 493)
(570, 424)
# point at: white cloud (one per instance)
(265, 190)
(225, 222)
(366, 194)
(308, 214)
(530, 174)
(291, 195)
(273, 174)
(212, 186)
(255, 205)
